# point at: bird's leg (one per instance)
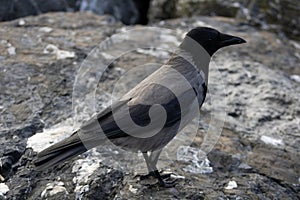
(150, 170)
(151, 165)
(151, 162)
(153, 168)
(153, 159)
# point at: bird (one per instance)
(150, 115)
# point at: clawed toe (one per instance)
(147, 176)
(161, 179)
(165, 176)
(167, 184)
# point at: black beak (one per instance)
(227, 40)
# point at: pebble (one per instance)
(3, 189)
(272, 141)
(295, 78)
(231, 185)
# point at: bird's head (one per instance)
(212, 40)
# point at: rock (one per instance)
(59, 54)
(13, 145)
(277, 15)
(272, 141)
(124, 11)
(215, 7)
(191, 155)
(162, 10)
(280, 16)
(104, 185)
(295, 78)
(21, 8)
(3, 189)
(231, 185)
(53, 189)
(258, 147)
(128, 12)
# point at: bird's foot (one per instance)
(167, 184)
(147, 176)
(161, 179)
(162, 182)
(152, 174)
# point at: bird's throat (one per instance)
(196, 54)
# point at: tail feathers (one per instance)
(60, 152)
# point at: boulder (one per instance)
(256, 156)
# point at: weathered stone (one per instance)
(258, 148)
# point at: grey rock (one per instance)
(22, 8)
(281, 16)
(125, 11)
(13, 145)
(214, 7)
(162, 10)
(258, 148)
(128, 12)
(104, 185)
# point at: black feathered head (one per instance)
(212, 40)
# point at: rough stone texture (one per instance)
(277, 15)
(214, 7)
(162, 9)
(281, 16)
(21, 8)
(126, 11)
(258, 148)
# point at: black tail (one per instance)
(60, 152)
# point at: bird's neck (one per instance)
(200, 57)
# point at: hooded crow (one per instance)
(150, 115)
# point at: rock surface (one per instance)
(277, 15)
(256, 157)
(126, 11)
